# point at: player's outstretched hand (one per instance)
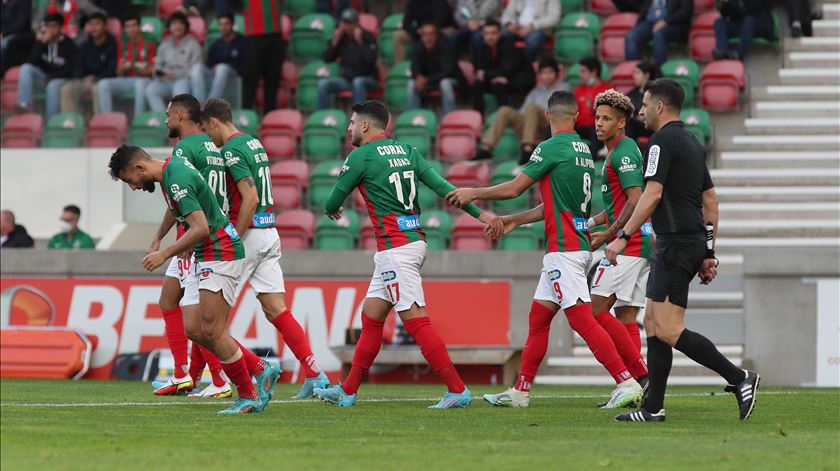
(708, 270)
(336, 215)
(460, 197)
(598, 239)
(153, 260)
(494, 225)
(616, 247)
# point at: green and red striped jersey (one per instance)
(139, 53)
(185, 192)
(262, 16)
(622, 170)
(245, 156)
(564, 168)
(200, 151)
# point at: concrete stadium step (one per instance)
(762, 211)
(812, 59)
(810, 76)
(775, 176)
(794, 142)
(801, 159)
(796, 92)
(816, 194)
(831, 11)
(605, 380)
(820, 227)
(756, 126)
(787, 109)
(826, 28)
(706, 298)
(813, 44)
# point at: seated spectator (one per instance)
(590, 86)
(326, 7)
(357, 50)
(742, 19)
(500, 68)
(417, 13)
(175, 56)
(71, 237)
(223, 62)
(800, 16)
(16, 36)
(13, 235)
(135, 60)
(664, 21)
(529, 122)
(470, 15)
(643, 73)
(96, 60)
(434, 68)
(51, 62)
(628, 5)
(532, 21)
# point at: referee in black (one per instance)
(679, 196)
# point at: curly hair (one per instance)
(615, 100)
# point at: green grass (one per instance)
(791, 429)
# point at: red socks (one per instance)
(623, 343)
(297, 342)
(255, 364)
(539, 324)
(434, 350)
(177, 339)
(237, 371)
(599, 342)
(197, 363)
(635, 335)
(367, 347)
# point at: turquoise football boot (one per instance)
(307, 390)
(335, 395)
(266, 381)
(243, 406)
(453, 400)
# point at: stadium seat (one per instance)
(459, 130)
(396, 86)
(323, 135)
(701, 37)
(8, 90)
(168, 7)
(574, 39)
(686, 73)
(569, 6)
(279, 133)
(114, 26)
(386, 43)
(296, 228)
(468, 234)
(504, 172)
(525, 237)
(468, 69)
(289, 179)
(300, 7)
(152, 28)
(310, 35)
(337, 235)
(321, 181)
(22, 130)
(417, 128)
(64, 130)
(602, 7)
(720, 85)
(148, 130)
(246, 121)
(369, 23)
(198, 28)
(697, 122)
(573, 74)
(437, 225)
(469, 174)
(622, 76)
(427, 198)
(288, 84)
(106, 130)
(611, 40)
(307, 85)
(509, 145)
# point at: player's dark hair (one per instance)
(228, 16)
(178, 16)
(565, 99)
(189, 104)
(593, 64)
(54, 18)
(375, 111)
(217, 108)
(547, 62)
(97, 16)
(122, 158)
(668, 91)
(652, 70)
(493, 23)
(131, 17)
(72, 208)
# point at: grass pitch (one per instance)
(121, 425)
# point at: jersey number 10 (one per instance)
(394, 178)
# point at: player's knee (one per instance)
(167, 302)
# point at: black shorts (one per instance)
(674, 262)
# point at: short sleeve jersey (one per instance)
(186, 191)
(200, 151)
(564, 168)
(244, 157)
(622, 169)
(677, 160)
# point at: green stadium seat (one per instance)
(427, 198)
(337, 235)
(569, 6)
(152, 27)
(526, 237)
(573, 74)
(697, 122)
(307, 85)
(64, 130)
(148, 129)
(246, 121)
(386, 43)
(575, 37)
(759, 41)
(323, 134)
(417, 128)
(503, 172)
(310, 35)
(396, 86)
(509, 146)
(300, 7)
(321, 180)
(437, 225)
(686, 73)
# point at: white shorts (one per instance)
(563, 278)
(396, 276)
(180, 268)
(262, 262)
(627, 280)
(190, 296)
(220, 276)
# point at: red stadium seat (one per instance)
(458, 132)
(296, 228)
(611, 39)
(114, 26)
(468, 234)
(289, 178)
(720, 85)
(603, 7)
(369, 23)
(279, 133)
(622, 76)
(106, 130)
(701, 37)
(286, 27)
(198, 28)
(168, 7)
(701, 6)
(367, 239)
(8, 92)
(22, 130)
(470, 174)
(468, 70)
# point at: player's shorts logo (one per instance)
(205, 272)
(604, 262)
(389, 276)
(554, 275)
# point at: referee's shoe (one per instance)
(641, 415)
(745, 392)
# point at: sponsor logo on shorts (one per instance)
(408, 223)
(204, 272)
(653, 161)
(554, 275)
(389, 275)
(604, 262)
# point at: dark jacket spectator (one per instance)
(227, 52)
(434, 67)
(742, 19)
(13, 235)
(677, 12)
(501, 68)
(356, 55)
(16, 28)
(56, 59)
(663, 21)
(418, 13)
(98, 60)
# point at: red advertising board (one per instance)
(122, 315)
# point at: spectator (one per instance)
(51, 62)
(135, 61)
(500, 68)
(326, 7)
(470, 16)
(434, 67)
(13, 235)
(357, 50)
(800, 16)
(96, 60)
(663, 20)
(264, 52)
(628, 5)
(75, 13)
(643, 73)
(742, 19)
(529, 122)
(71, 237)
(590, 86)
(417, 13)
(175, 57)
(16, 33)
(223, 62)
(532, 21)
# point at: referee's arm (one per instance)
(647, 204)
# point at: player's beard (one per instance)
(356, 140)
(149, 185)
(174, 133)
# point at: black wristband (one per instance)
(710, 253)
